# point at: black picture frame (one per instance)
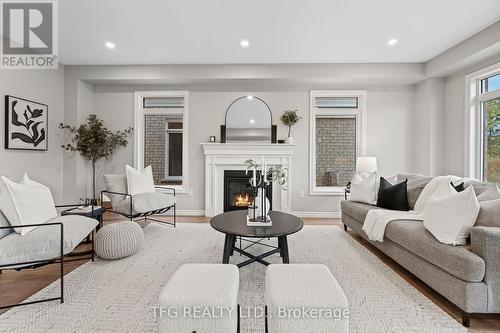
(26, 124)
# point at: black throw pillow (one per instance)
(459, 187)
(391, 196)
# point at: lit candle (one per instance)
(265, 172)
(262, 168)
(254, 177)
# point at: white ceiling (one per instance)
(279, 31)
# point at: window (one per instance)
(160, 136)
(491, 140)
(483, 125)
(336, 139)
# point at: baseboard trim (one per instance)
(190, 212)
(319, 215)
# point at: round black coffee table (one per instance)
(234, 224)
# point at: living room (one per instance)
(195, 144)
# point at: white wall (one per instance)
(428, 145)
(44, 86)
(390, 113)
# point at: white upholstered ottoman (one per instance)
(201, 298)
(304, 298)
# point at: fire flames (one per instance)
(243, 200)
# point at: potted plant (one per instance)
(290, 118)
(94, 141)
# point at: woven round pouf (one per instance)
(118, 240)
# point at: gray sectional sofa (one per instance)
(468, 276)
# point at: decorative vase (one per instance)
(258, 204)
(289, 140)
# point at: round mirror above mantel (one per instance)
(248, 119)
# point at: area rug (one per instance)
(119, 296)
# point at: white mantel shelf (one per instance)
(246, 148)
(232, 156)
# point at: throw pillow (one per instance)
(436, 188)
(4, 223)
(479, 186)
(392, 196)
(493, 193)
(364, 188)
(489, 214)
(451, 218)
(140, 181)
(416, 184)
(459, 188)
(27, 202)
(118, 184)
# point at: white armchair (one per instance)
(140, 205)
(48, 243)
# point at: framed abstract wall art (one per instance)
(26, 124)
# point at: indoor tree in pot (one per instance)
(94, 141)
(290, 118)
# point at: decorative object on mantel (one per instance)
(212, 138)
(281, 141)
(259, 211)
(26, 124)
(94, 141)
(290, 118)
(248, 119)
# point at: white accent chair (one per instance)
(47, 244)
(201, 287)
(141, 205)
(294, 291)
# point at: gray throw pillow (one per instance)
(116, 183)
(479, 187)
(489, 214)
(416, 184)
(493, 193)
(4, 223)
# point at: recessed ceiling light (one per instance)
(110, 45)
(392, 41)
(245, 43)
(252, 121)
(249, 97)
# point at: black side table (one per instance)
(95, 213)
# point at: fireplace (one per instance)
(238, 194)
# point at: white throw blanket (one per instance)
(377, 219)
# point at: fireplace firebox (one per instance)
(238, 194)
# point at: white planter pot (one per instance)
(289, 140)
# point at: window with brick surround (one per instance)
(336, 138)
(160, 136)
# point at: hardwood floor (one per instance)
(17, 286)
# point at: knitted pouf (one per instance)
(118, 240)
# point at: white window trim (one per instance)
(473, 120)
(359, 113)
(139, 113)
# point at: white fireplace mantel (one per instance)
(232, 156)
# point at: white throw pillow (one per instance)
(451, 218)
(364, 188)
(27, 202)
(140, 181)
(436, 188)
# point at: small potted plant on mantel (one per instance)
(290, 118)
(94, 141)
